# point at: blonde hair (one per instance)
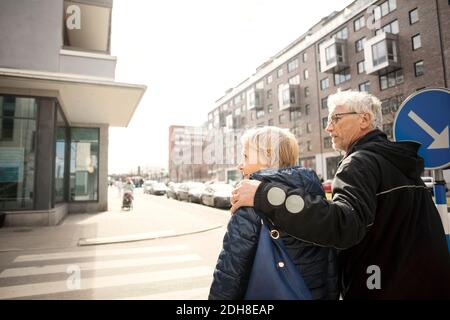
(276, 147)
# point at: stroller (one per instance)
(127, 201)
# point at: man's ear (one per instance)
(366, 120)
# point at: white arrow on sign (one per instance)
(440, 139)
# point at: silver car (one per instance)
(217, 195)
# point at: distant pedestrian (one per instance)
(119, 186)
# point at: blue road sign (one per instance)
(424, 117)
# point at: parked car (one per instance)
(172, 190)
(158, 188)
(195, 193)
(217, 195)
(148, 185)
(327, 185)
(429, 182)
(183, 191)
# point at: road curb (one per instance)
(140, 237)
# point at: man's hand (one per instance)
(243, 195)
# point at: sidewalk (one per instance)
(114, 226)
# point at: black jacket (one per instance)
(381, 216)
(317, 265)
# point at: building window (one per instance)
(365, 86)
(413, 16)
(259, 114)
(282, 118)
(324, 103)
(334, 53)
(308, 146)
(304, 57)
(306, 91)
(324, 83)
(305, 74)
(359, 44)
(391, 27)
(307, 110)
(308, 127)
(269, 79)
(387, 128)
(384, 9)
(391, 79)
(280, 72)
(84, 164)
(60, 157)
(379, 53)
(342, 34)
(361, 66)
(324, 122)
(269, 94)
(418, 68)
(359, 23)
(294, 80)
(292, 65)
(327, 143)
(270, 122)
(342, 76)
(17, 151)
(416, 42)
(295, 115)
(269, 108)
(391, 105)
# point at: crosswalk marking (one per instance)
(44, 288)
(97, 265)
(97, 253)
(191, 294)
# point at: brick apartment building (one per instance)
(390, 48)
(186, 154)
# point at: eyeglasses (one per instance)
(338, 116)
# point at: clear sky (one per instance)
(189, 53)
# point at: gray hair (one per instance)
(358, 102)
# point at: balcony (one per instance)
(255, 99)
(381, 53)
(333, 55)
(289, 97)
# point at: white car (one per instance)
(429, 182)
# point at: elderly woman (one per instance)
(270, 154)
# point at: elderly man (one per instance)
(382, 218)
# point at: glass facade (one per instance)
(60, 158)
(84, 152)
(17, 151)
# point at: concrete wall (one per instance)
(102, 204)
(89, 66)
(42, 218)
(31, 34)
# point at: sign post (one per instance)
(424, 117)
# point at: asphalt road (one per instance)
(178, 267)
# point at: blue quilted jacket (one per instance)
(316, 264)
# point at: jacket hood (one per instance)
(402, 155)
(294, 177)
